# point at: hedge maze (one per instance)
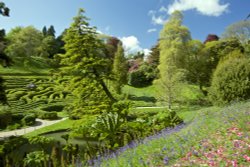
(34, 94)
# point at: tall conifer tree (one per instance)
(87, 65)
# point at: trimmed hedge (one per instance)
(53, 108)
(29, 120)
(47, 115)
(5, 117)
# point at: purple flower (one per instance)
(165, 160)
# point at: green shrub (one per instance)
(5, 116)
(53, 108)
(17, 117)
(138, 78)
(47, 115)
(17, 95)
(231, 81)
(14, 126)
(29, 120)
(166, 119)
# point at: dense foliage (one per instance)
(230, 80)
(173, 38)
(120, 69)
(85, 61)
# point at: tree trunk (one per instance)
(104, 87)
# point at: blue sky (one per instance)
(136, 22)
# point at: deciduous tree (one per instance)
(24, 42)
(172, 39)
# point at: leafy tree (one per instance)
(112, 45)
(120, 69)
(60, 43)
(230, 80)
(4, 11)
(142, 76)
(196, 64)
(152, 62)
(210, 56)
(49, 46)
(24, 42)
(239, 30)
(154, 56)
(86, 63)
(172, 39)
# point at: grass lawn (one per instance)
(147, 96)
(63, 125)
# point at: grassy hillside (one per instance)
(212, 137)
(32, 65)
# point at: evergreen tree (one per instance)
(120, 69)
(51, 31)
(86, 63)
(44, 31)
(172, 39)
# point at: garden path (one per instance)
(39, 124)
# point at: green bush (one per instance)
(17, 95)
(29, 120)
(138, 78)
(47, 115)
(231, 81)
(166, 119)
(5, 116)
(17, 117)
(14, 126)
(53, 108)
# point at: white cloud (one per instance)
(163, 9)
(151, 30)
(205, 7)
(146, 52)
(132, 45)
(157, 19)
